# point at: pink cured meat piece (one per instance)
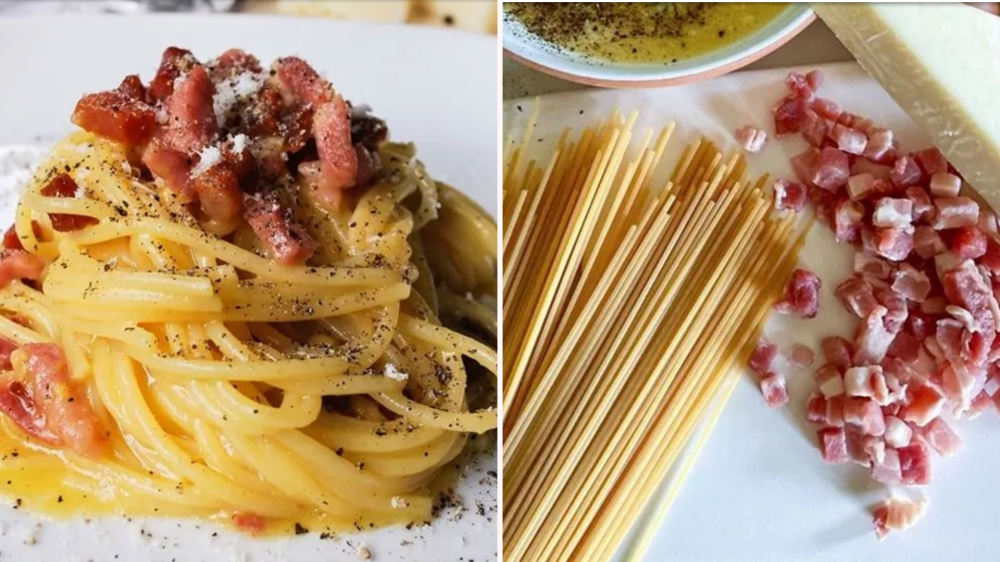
(968, 243)
(805, 165)
(789, 115)
(860, 185)
(911, 284)
(829, 381)
(931, 161)
(801, 295)
(872, 339)
(816, 408)
(848, 217)
(895, 243)
(833, 445)
(790, 195)
(879, 145)
(915, 464)
(888, 471)
(849, 140)
(955, 212)
(833, 167)
(941, 437)
(925, 403)
(838, 351)
(866, 415)
(801, 355)
(897, 515)
(814, 128)
(906, 172)
(923, 207)
(897, 432)
(857, 296)
(750, 138)
(943, 184)
(827, 109)
(872, 266)
(927, 243)
(762, 357)
(905, 347)
(775, 392)
(893, 212)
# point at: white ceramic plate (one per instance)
(528, 49)
(759, 491)
(435, 87)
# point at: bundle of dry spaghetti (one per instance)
(626, 306)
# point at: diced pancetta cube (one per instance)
(905, 348)
(944, 184)
(931, 161)
(833, 445)
(853, 121)
(824, 203)
(925, 404)
(816, 408)
(814, 128)
(750, 138)
(849, 140)
(955, 212)
(800, 355)
(895, 243)
(835, 410)
(965, 287)
(866, 166)
(790, 195)
(897, 432)
(827, 109)
(867, 382)
(923, 208)
(906, 172)
(981, 403)
(799, 86)
(927, 243)
(860, 185)
(847, 220)
(805, 165)
(880, 144)
(763, 356)
(856, 438)
(837, 351)
(962, 382)
(874, 448)
(815, 79)
(871, 266)
(898, 311)
(865, 414)
(915, 463)
(888, 471)
(872, 339)
(897, 515)
(946, 262)
(789, 114)
(829, 381)
(991, 259)
(833, 167)
(891, 212)
(910, 283)
(941, 438)
(967, 320)
(857, 296)
(968, 243)
(775, 392)
(988, 222)
(801, 295)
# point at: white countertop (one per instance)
(815, 45)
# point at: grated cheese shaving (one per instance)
(239, 143)
(399, 502)
(210, 156)
(229, 92)
(393, 373)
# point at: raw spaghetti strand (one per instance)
(629, 303)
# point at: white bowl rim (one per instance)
(524, 45)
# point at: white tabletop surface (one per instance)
(815, 45)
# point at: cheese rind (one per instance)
(939, 62)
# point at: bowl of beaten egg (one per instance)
(646, 44)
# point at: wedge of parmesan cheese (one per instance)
(939, 62)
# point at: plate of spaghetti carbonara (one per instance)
(237, 306)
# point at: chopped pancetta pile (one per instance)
(924, 287)
(225, 135)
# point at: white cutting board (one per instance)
(759, 491)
